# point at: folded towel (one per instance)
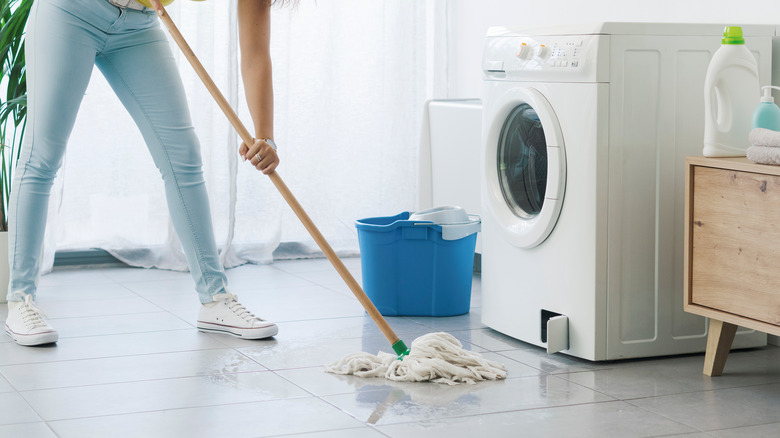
(764, 137)
(764, 154)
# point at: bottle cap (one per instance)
(733, 35)
(767, 95)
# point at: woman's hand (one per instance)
(261, 155)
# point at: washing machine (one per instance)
(585, 133)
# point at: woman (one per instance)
(65, 38)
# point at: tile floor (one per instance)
(130, 364)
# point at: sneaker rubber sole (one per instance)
(48, 337)
(239, 332)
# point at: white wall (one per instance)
(470, 19)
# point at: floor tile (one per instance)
(688, 435)
(240, 420)
(127, 369)
(471, 320)
(300, 353)
(126, 274)
(186, 304)
(342, 289)
(13, 409)
(425, 401)
(490, 339)
(771, 430)
(5, 386)
(156, 395)
(320, 383)
(718, 409)
(262, 277)
(337, 328)
(612, 419)
(363, 432)
(353, 264)
(674, 375)
(514, 369)
(75, 276)
(118, 324)
(107, 307)
(27, 430)
(302, 303)
(182, 284)
(329, 277)
(52, 295)
(538, 358)
(109, 346)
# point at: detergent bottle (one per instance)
(731, 92)
(766, 114)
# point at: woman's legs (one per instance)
(65, 38)
(142, 71)
(60, 54)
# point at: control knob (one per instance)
(524, 52)
(543, 52)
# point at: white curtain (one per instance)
(350, 79)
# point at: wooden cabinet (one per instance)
(732, 249)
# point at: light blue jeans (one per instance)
(65, 39)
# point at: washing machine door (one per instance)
(525, 166)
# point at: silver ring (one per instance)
(259, 158)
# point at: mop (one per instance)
(436, 357)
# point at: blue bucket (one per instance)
(418, 268)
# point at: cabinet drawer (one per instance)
(735, 242)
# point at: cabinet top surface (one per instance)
(733, 163)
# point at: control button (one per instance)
(564, 63)
(575, 63)
(495, 66)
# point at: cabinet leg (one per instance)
(719, 339)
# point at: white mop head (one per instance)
(435, 357)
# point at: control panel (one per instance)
(565, 57)
(560, 52)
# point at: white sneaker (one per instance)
(226, 315)
(26, 324)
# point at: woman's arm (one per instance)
(254, 30)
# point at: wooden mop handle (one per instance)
(275, 178)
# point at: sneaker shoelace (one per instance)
(32, 316)
(238, 308)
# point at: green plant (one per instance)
(13, 102)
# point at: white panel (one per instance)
(456, 131)
(557, 334)
(687, 117)
(634, 150)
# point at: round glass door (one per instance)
(522, 162)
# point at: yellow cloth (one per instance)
(148, 4)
